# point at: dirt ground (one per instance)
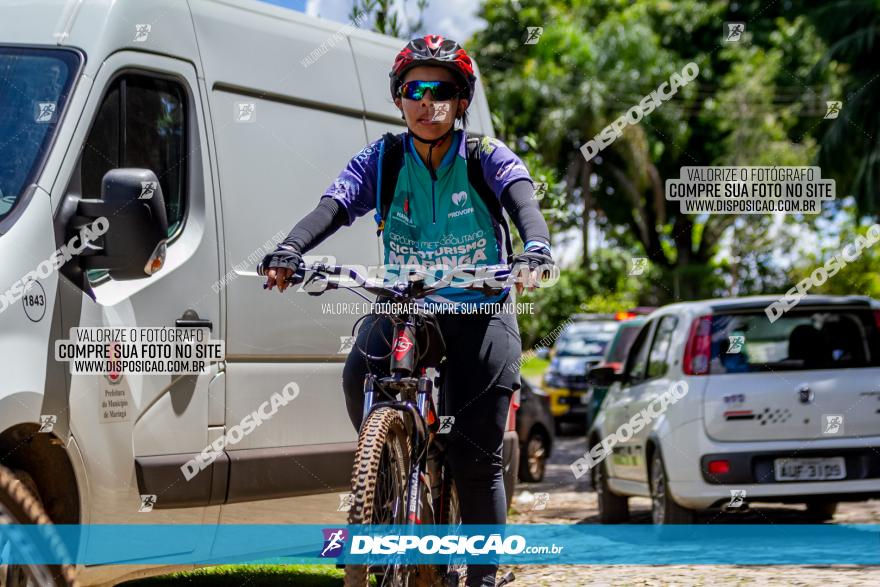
(573, 502)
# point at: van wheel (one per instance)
(821, 511)
(664, 510)
(613, 508)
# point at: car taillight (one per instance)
(618, 367)
(511, 411)
(719, 467)
(621, 316)
(698, 351)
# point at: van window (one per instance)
(141, 123)
(658, 360)
(800, 340)
(34, 87)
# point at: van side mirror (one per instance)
(602, 376)
(132, 244)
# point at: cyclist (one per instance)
(434, 202)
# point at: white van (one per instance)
(244, 112)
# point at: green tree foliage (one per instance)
(751, 104)
(604, 288)
(384, 16)
(851, 145)
(858, 277)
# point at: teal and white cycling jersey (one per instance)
(441, 222)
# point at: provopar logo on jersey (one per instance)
(447, 223)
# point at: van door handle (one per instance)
(194, 323)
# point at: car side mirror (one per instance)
(602, 376)
(132, 221)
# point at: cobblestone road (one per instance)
(573, 502)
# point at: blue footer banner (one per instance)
(425, 544)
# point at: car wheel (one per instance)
(533, 459)
(664, 510)
(613, 508)
(821, 511)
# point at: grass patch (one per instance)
(534, 367)
(250, 575)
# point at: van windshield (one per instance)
(34, 87)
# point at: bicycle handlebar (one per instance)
(486, 278)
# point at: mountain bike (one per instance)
(400, 475)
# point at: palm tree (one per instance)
(851, 146)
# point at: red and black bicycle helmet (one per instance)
(434, 50)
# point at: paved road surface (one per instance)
(572, 502)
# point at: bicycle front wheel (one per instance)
(378, 487)
(26, 549)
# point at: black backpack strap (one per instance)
(475, 176)
(390, 162)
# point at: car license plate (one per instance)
(810, 469)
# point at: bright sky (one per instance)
(451, 18)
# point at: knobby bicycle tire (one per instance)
(382, 435)
(19, 504)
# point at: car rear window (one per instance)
(799, 340)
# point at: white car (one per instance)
(754, 411)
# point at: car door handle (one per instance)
(194, 323)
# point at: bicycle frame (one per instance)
(404, 353)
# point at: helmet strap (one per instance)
(431, 144)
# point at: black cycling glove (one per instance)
(533, 257)
(284, 257)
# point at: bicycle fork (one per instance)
(422, 415)
(424, 406)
